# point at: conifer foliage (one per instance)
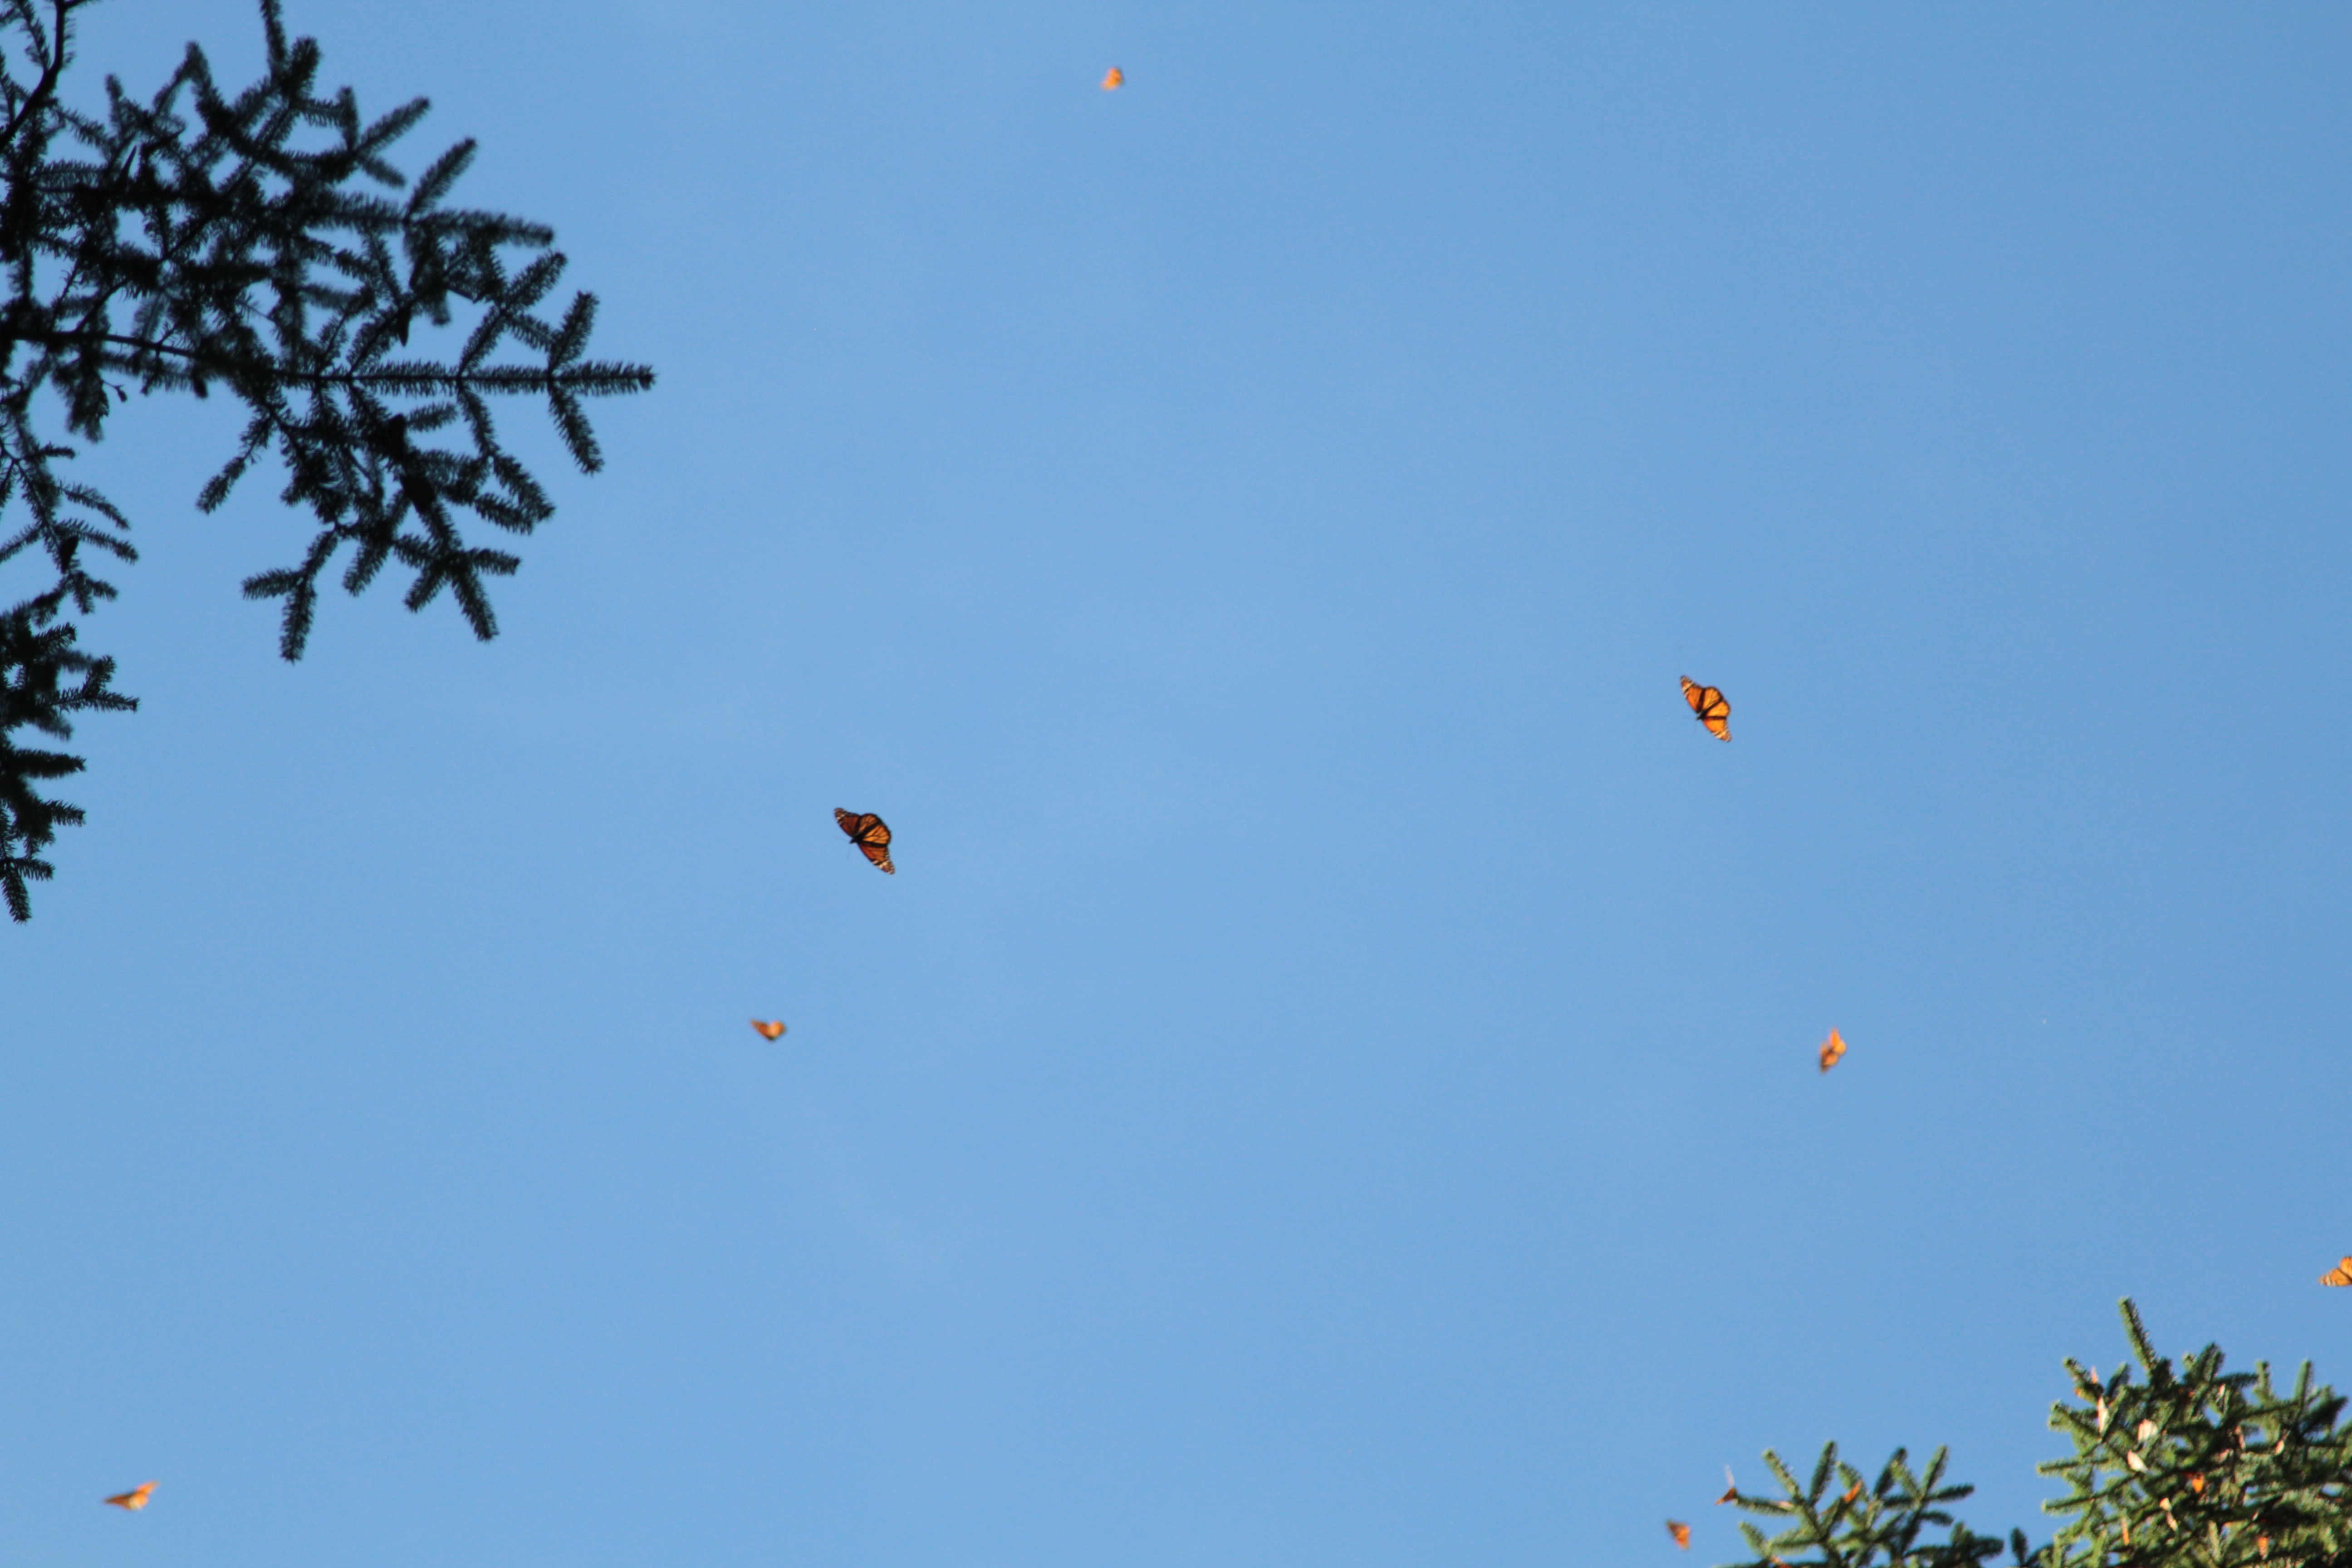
(263, 246)
(2173, 1468)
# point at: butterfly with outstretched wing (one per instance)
(1708, 707)
(770, 1031)
(870, 833)
(1832, 1050)
(1113, 79)
(135, 1499)
(2340, 1275)
(1680, 1532)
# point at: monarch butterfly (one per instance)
(1853, 1492)
(870, 833)
(1114, 78)
(1831, 1049)
(1708, 706)
(771, 1031)
(135, 1499)
(1730, 1488)
(1680, 1532)
(2340, 1275)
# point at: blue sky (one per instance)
(1332, 1079)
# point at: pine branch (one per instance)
(196, 241)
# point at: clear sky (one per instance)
(1332, 1080)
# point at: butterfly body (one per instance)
(1708, 707)
(870, 833)
(135, 1499)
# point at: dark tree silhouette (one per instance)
(249, 245)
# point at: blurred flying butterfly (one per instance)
(1832, 1049)
(870, 833)
(135, 1499)
(771, 1031)
(1730, 1488)
(2340, 1275)
(1114, 78)
(1680, 1532)
(1708, 706)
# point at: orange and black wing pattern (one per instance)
(1680, 1532)
(870, 833)
(135, 1499)
(2340, 1275)
(1708, 706)
(1833, 1048)
(770, 1031)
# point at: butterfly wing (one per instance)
(2340, 1275)
(873, 838)
(1680, 1532)
(135, 1499)
(1832, 1049)
(1708, 707)
(1114, 78)
(770, 1031)
(869, 833)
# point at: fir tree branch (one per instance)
(196, 241)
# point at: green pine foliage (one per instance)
(259, 245)
(2186, 1467)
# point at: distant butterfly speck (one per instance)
(1832, 1049)
(135, 1499)
(1680, 1532)
(771, 1031)
(1113, 79)
(1708, 707)
(870, 833)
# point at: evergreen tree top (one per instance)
(262, 245)
(2186, 1467)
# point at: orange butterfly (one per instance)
(771, 1031)
(2340, 1275)
(1730, 1488)
(1832, 1049)
(135, 1499)
(1708, 706)
(1853, 1492)
(1114, 78)
(870, 833)
(1680, 1532)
